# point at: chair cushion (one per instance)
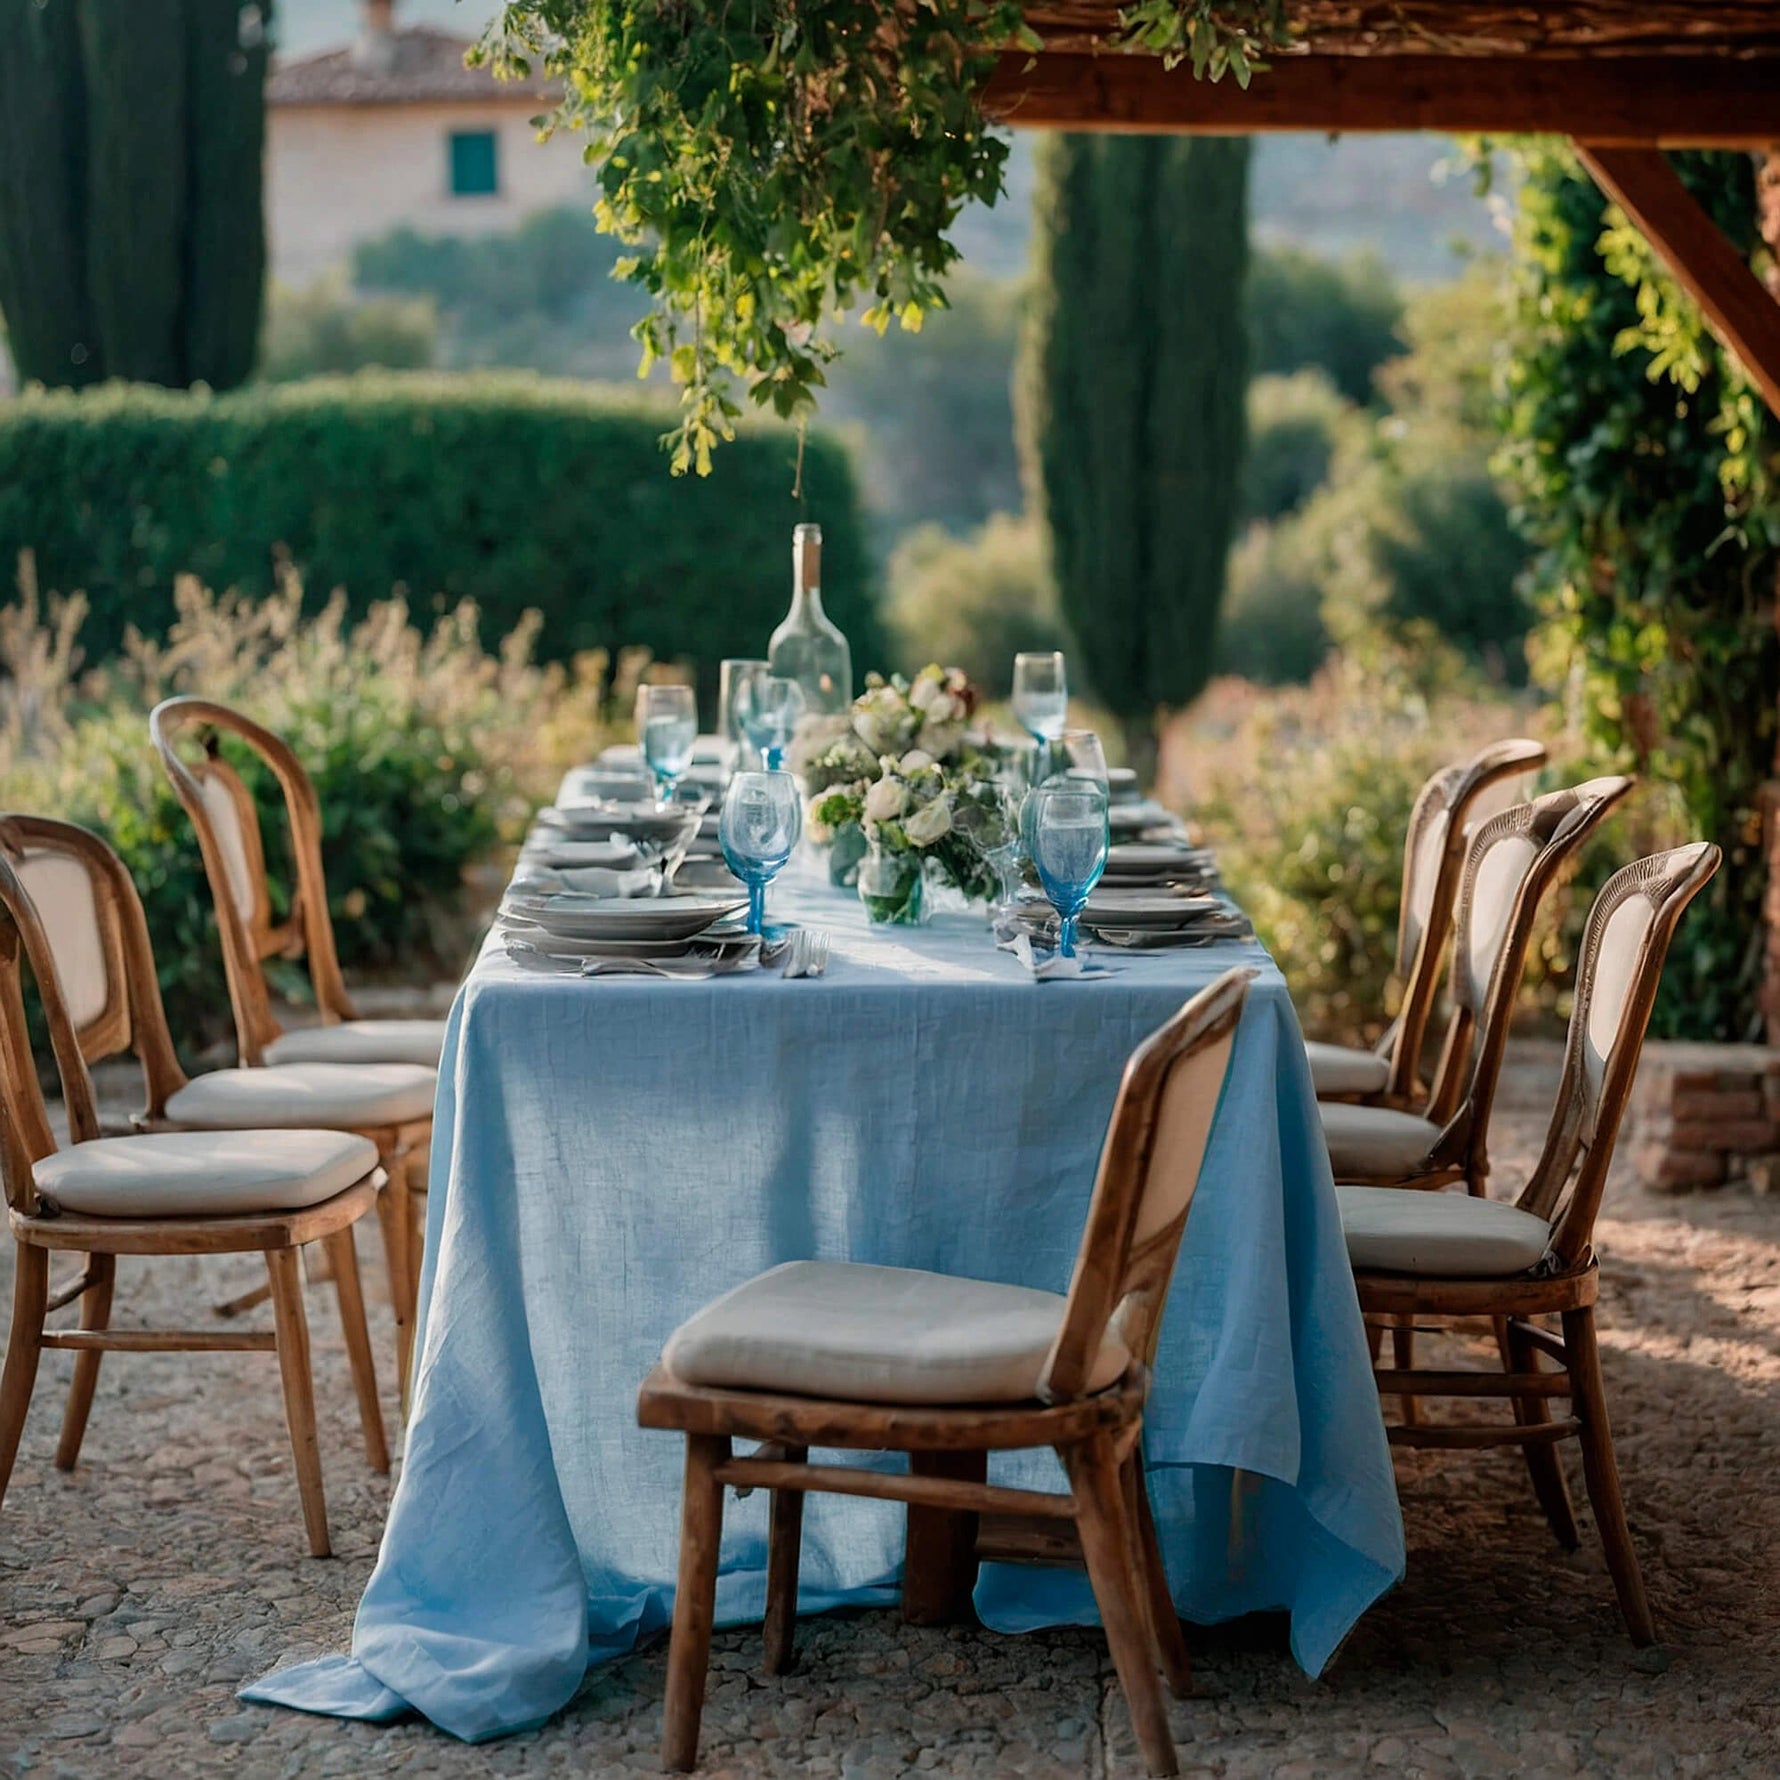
(863, 1334)
(362, 1041)
(1440, 1235)
(340, 1096)
(188, 1174)
(1334, 1069)
(1374, 1141)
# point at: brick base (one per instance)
(1705, 1114)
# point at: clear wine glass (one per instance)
(667, 726)
(762, 818)
(990, 820)
(1077, 754)
(1041, 694)
(769, 706)
(1067, 831)
(732, 677)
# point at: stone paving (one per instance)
(136, 1594)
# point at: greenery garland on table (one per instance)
(778, 162)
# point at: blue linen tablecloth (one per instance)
(609, 1155)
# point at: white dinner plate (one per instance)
(1122, 908)
(616, 853)
(553, 945)
(576, 915)
(595, 822)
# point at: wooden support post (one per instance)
(939, 1572)
(1742, 313)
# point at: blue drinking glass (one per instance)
(768, 709)
(762, 818)
(667, 727)
(1066, 830)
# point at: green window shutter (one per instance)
(475, 169)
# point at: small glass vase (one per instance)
(893, 888)
(844, 854)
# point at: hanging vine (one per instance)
(777, 164)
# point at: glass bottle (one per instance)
(807, 647)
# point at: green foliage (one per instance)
(1410, 528)
(1272, 629)
(974, 602)
(1133, 398)
(426, 750)
(1340, 317)
(773, 163)
(1646, 465)
(540, 295)
(511, 491)
(321, 330)
(1307, 793)
(1293, 423)
(131, 238)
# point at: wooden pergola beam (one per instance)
(1737, 304)
(1646, 101)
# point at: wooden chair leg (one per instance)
(1403, 1358)
(695, 1601)
(1109, 1548)
(95, 1313)
(939, 1563)
(784, 1542)
(1171, 1644)
(1374, 1339)
(1543, 1464)
(344, 1255)
(1601, 1470)
(30, 1292)
(291, 1328)
(392, 1207)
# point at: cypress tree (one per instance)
(43, 279)
(132, 241)
(1132, 395)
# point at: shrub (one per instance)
(1340, 316)
(1272, 628)
(511, 491)
(974, 602)
(1293, 423)
(426, 751)
(309, 333)
(1306, 791)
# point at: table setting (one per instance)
(849, 978)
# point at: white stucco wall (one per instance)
(337, 175)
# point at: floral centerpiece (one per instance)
(885, 781)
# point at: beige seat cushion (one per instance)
(1334, 1069)
(190, 1174)
(340, 1096)
(1372, 1141)
(865, 1334)
(362, 1041)
(1439, 1235)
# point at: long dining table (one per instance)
(612, 1153)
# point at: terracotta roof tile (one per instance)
(416, 63)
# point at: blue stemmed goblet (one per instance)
(1066, 831)
(762, 818)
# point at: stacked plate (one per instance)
(1140, 819)
(1160, 917)
(570, 929)
(1133, 865)
(664, 833)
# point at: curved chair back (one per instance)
(1149, 1169)
(26, 1135)
(86, 924)
(222, 811)
(1433, 854)
(1513, 861)
(1623, 949)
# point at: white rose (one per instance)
(939, 739)
(929, 822)
(885, 801)
(914, 760)
(925, 693)
(882, 721)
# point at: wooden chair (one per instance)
(222, 811)
(170, 1194)
(1513, 861)
(1433, 853)
(98, 938)
(884, 1359)
(1445, 1255)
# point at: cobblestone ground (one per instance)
(136, 1594)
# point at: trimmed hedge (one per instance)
(511, 490)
